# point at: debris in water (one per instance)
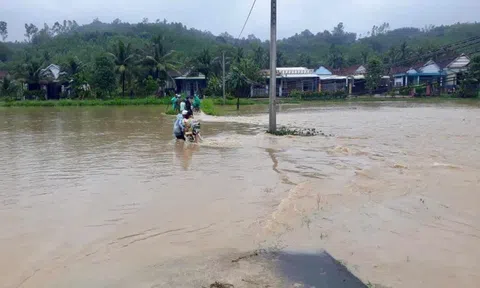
(400, 166)
(306, 132)
(254, 254)
(221, 285)
(446, 165)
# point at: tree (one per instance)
(474, 68)
(392, 55)
(74, 70)
(470, 86)
(160, 61)
(338, 30)
(56, 28)
(5, 52)
(335, 57)
(239, 55)
(151, 86)
(3, 30)
(31, 72)
(30, 31)
(8, 87)
(281, 61)
(304, 60)
(204, 63)
(404, 51)
(123, 58)
(364, 55)
(72, 66)
(104, 75)
(242, 75)
(374, 74)
(260, 57)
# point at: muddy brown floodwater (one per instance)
(103, 197)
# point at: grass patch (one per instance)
(87, 102)
(253, 101)
(208, 107)
(233, 101)
(171, 111)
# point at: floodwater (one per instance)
(103, 197)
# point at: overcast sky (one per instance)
(219, 16)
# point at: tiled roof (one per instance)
(347, 71)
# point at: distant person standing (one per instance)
(182, 104)
(196, 103)
(188, 105)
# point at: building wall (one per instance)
(286, 85)
(460, 62)
(398, 81)
(431, 68)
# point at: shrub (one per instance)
(208, 107)
(405, 90)
(322, 95)
(233, 101)
(420, 91)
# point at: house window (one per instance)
(307, 85)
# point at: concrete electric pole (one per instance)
(272, 124)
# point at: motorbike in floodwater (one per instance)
(194, 136)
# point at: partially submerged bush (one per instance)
(307, 132)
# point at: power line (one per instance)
(248, 17)
(452, 46)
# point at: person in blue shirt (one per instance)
(179, 127)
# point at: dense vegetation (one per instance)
(140, 59)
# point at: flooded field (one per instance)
(103, 197)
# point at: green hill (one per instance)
(335, 48)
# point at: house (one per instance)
(51, 82)
(355, 78)
(288, 80)
(435, 75)
(190, 85)
(453, 69)
(329, 82)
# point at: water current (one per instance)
(104, 197)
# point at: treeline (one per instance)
(143, 57)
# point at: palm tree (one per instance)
(261, 57)
(392, 55)
(364, 55)
(123, 58)
(239, 55)
(404, 50)
(204, 63)
(31, 71)
(73, 66)
(160, 61)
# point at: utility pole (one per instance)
(223, 78)
(272, 123)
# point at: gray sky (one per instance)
(219, 16)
